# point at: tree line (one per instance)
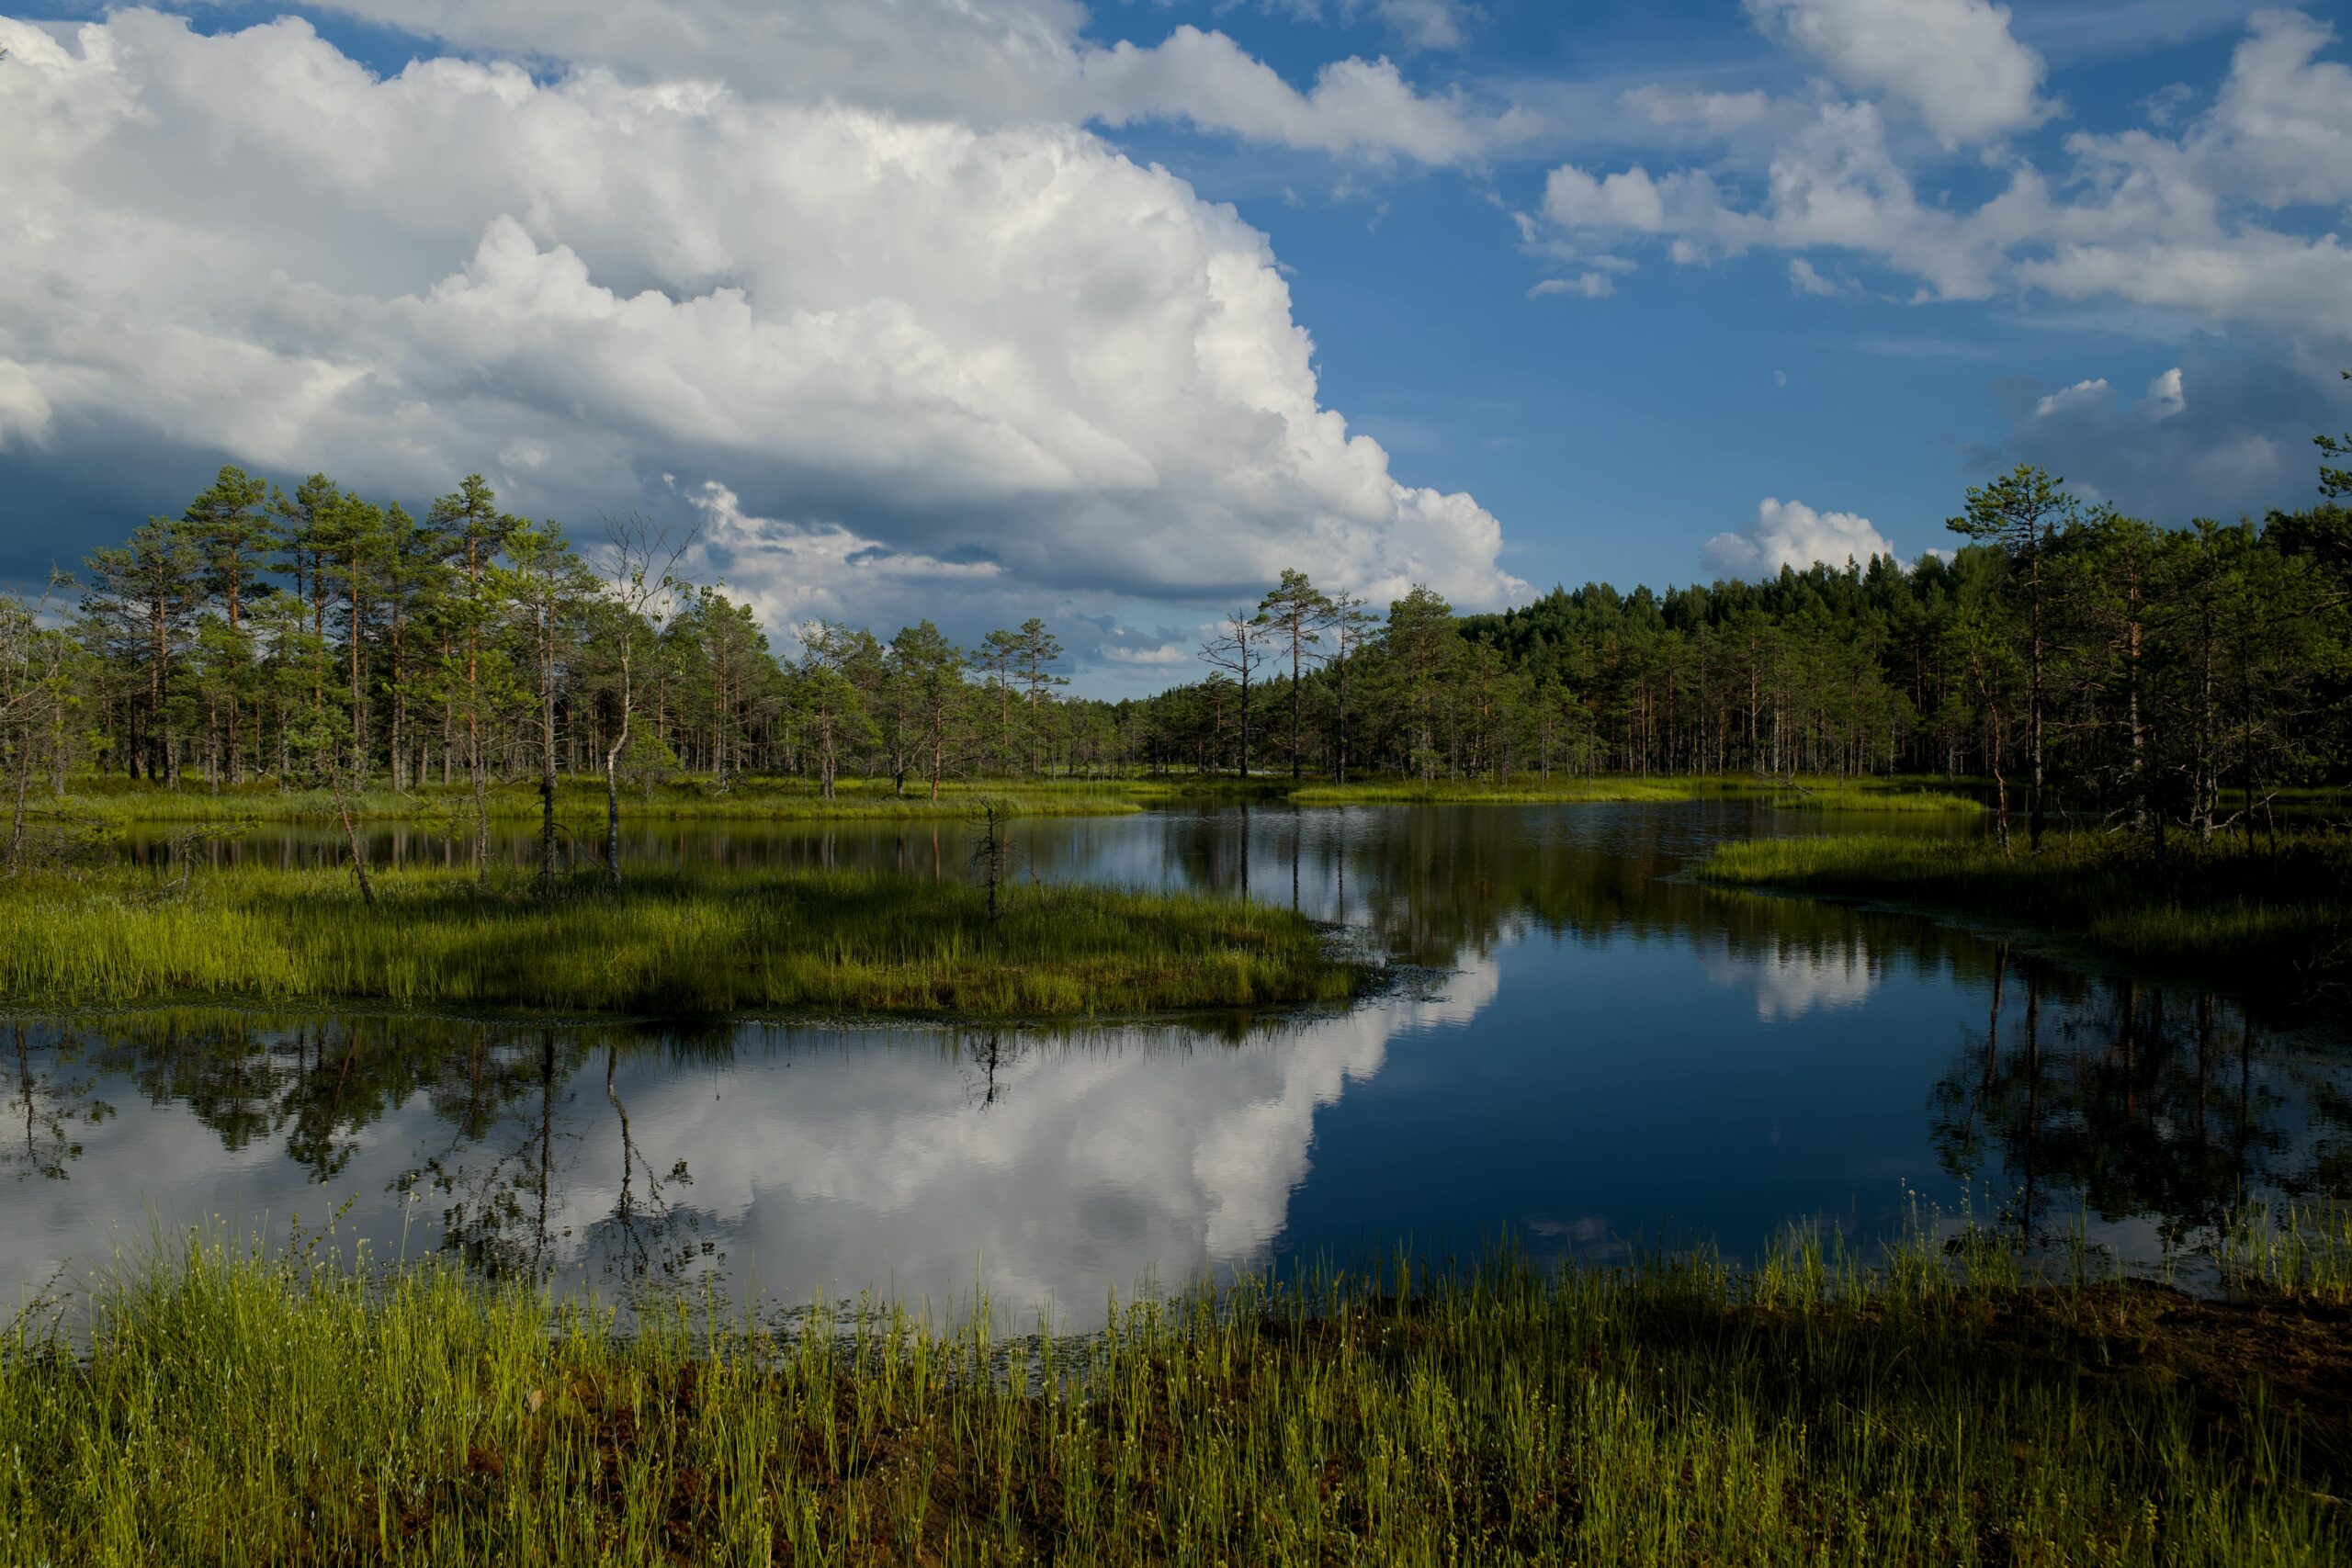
(2076, 658)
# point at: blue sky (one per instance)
(897, 301)
(1615, 436)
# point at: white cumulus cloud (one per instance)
(1805, 279)
(1953, 61)
(2081, 395)
(1585, 286)
(1007, 62)
(2211, 220)
(1007, 348)
(1791, 533)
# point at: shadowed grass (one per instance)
(1933, 1411)
(671, 943)
(2280, 917)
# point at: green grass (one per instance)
(1807, 792)
(1848, 798)
(2296, 1251)
(1564, 791)
(580, 802)
(2280, 919)
(671, 944)
(218, 1407)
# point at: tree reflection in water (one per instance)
(2068, 1092)
(2114, 1096)
(47, 1098)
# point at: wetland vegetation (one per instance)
(1946, 1404)
(665, 944)
(2158, 712)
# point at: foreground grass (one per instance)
(581, 802)
(222, 1408)
(2258, 917)
(671, 944)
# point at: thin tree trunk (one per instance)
(351, 835)
(613, 785)
(546, 742)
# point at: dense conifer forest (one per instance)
(2189, 675)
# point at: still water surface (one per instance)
(1600, 1055)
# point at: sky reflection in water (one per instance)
(1609, 1056)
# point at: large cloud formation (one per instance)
(2202, 220)
(1003, 63)
(974, 345)
(1918, 169)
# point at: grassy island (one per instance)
(668, 944)
(1938, 1409)
(2275, 912)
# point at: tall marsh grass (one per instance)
(216, 1407)
(2301, 1251)
(670, 943)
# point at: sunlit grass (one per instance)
(581, 802)
(759, 798)
(1807, 791)
(1563, 790)
(215, 1407)
(1847, 797)
(2300, 1251)
(672, 942)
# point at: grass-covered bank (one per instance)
(1805, 792)
(2280, 917)
(1937, 1410)
(669, 943)
(580, 802)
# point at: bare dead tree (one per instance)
(992, 849)
(641, 585)
(1238, 647)
(31, 661)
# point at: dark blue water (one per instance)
(1598, 1054)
